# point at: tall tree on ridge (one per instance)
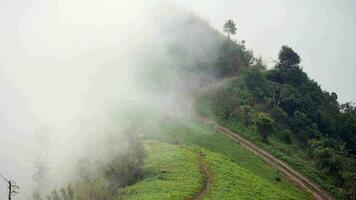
(230, 27)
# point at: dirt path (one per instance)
(295, 177)
(207, 175)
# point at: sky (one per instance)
(320, 31)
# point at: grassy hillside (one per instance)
(193, 133)
(172, 172)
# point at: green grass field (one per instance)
(172, 172)
(231, 181)
(171, 169)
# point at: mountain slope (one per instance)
(172, 172)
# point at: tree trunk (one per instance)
(10, 188)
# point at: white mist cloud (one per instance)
(67, 66)
(101, 13)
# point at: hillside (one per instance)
(172, 172)
(287, 113)
(150, 144)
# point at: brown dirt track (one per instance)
(295, 177)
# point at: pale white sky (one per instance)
(321, 31)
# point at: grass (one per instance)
(172, 172)
(234, 182)
(194, 133)
(288, 153)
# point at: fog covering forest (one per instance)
(71, 93)
(77, 101)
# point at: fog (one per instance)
(71, 72)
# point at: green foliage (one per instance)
(101, 178)
(280, 116)
(36, 196)
(327, 153)
(170, 172)
(288, 58)
(193, 133)
(254, 80)
(125, 167)
(232, 58)
(168, 163)
(65, 194)
(302, 112)
(286, 136)
(54, 195)
(264, 124)
(230, 27)
(240, 182)
(246, 114)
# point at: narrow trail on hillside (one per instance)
(295, 177)
(207, 178)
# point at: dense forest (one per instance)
(293, 117)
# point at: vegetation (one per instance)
(168, 163)
(281, 109)
(188, 132)
(230, 27)
(12, 187)
(302, 117)
(170, 172)
(232, 181)
(101, 178)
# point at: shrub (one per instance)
(125, 167)
(264, 125)
(285, 136)
(246, 115)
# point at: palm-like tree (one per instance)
(230, 27)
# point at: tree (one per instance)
(287, 57)
(12, 187)
(70, 192)
(255, 81)
(54, 195)
(348, 107)
(40, 175)
(125, 167)
(230, 27)
(264, 124)
(36, 196)
(287, 69)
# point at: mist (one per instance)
(73, 73)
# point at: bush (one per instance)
(246, 115)
(279, 115)
(125, 167)
(264, 125)
(285, 136)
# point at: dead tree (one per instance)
(12, 187)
